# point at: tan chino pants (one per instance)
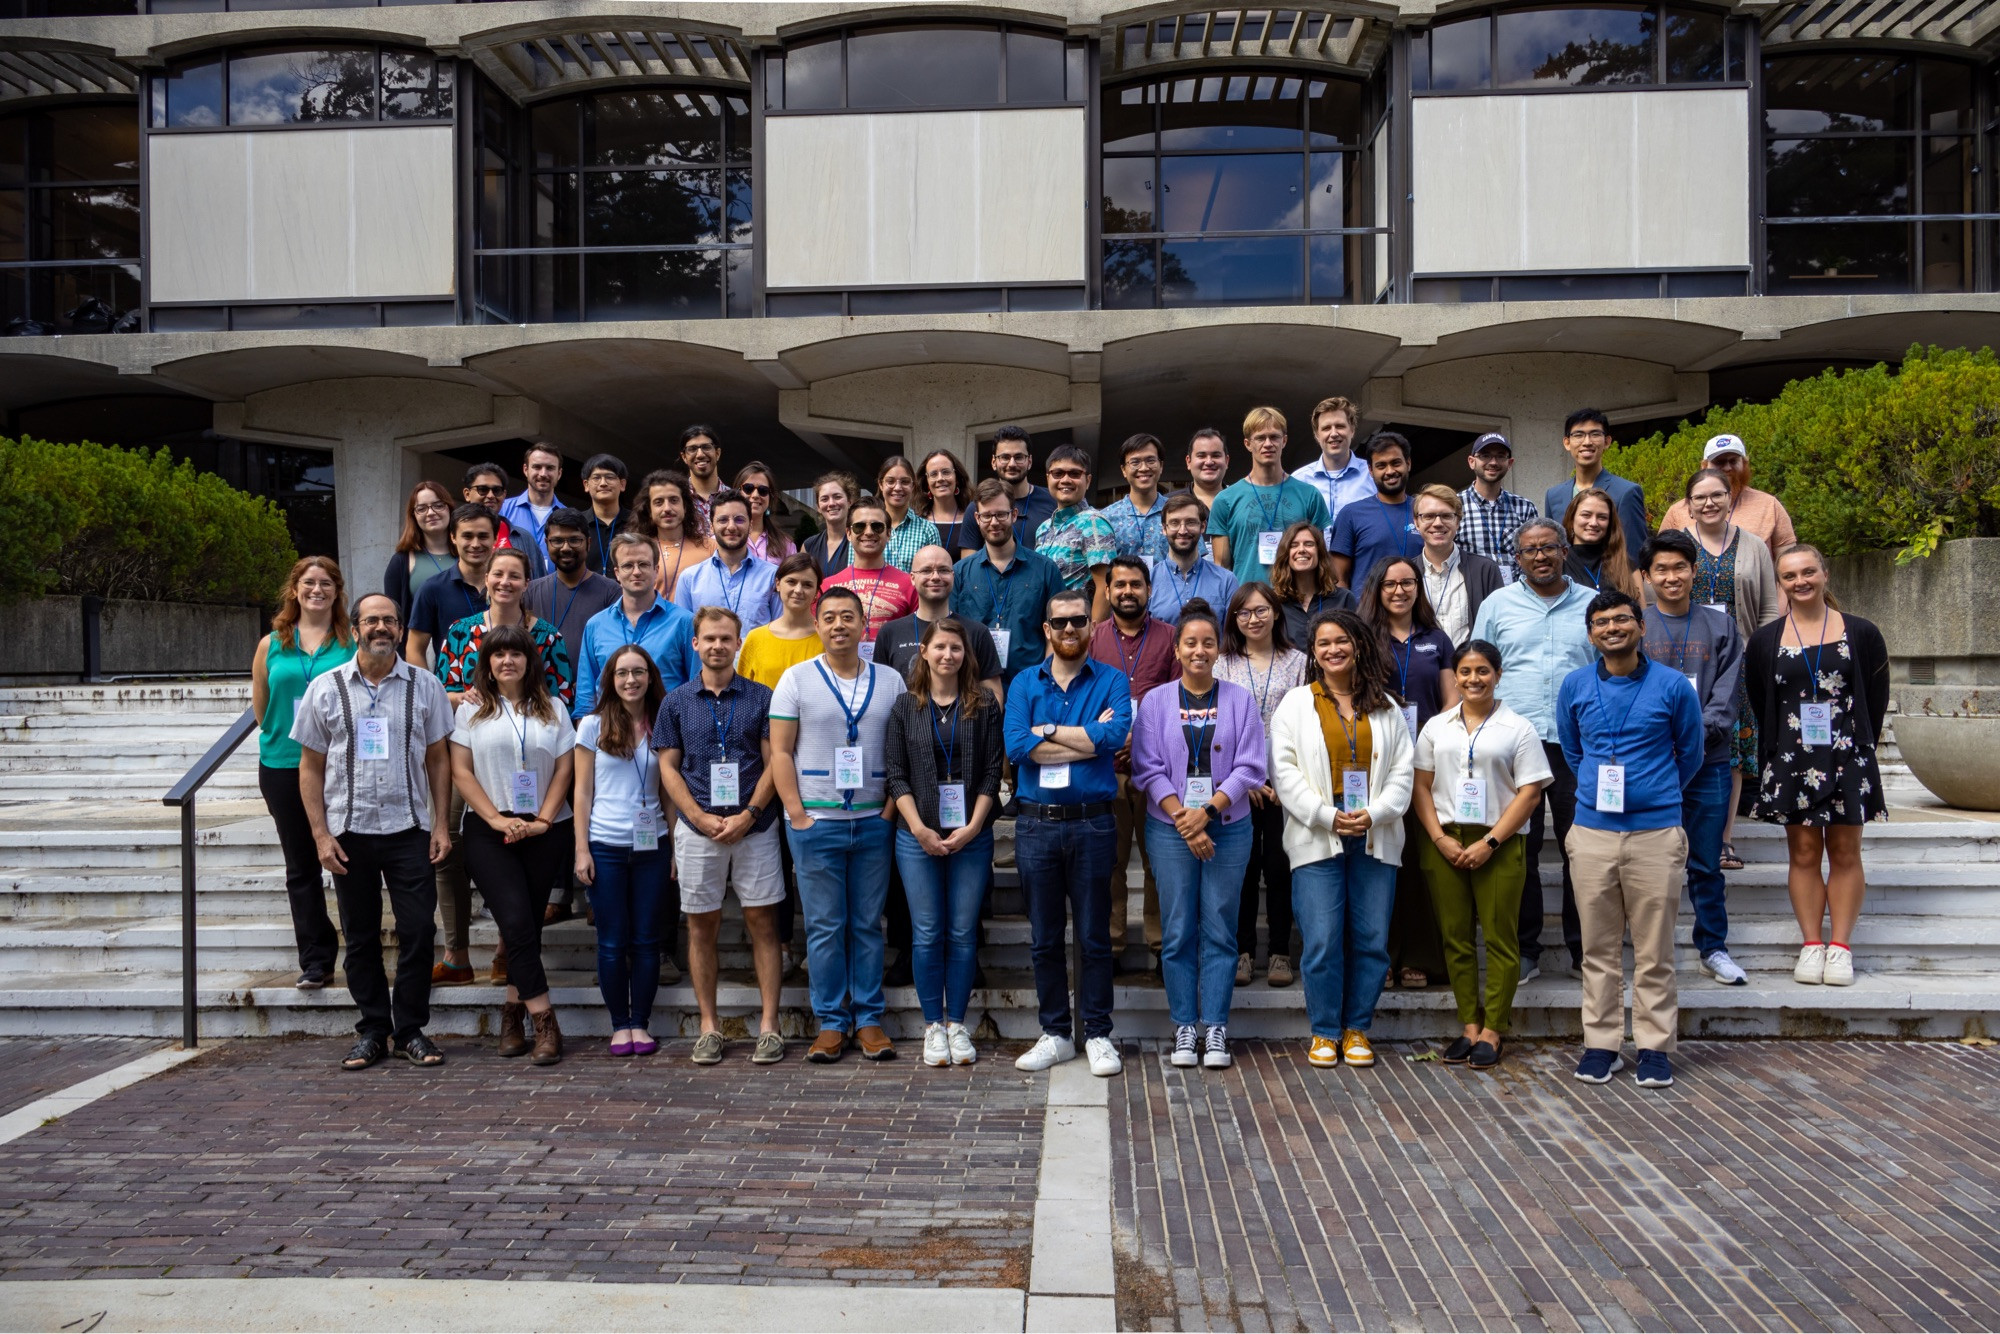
(1629, 881)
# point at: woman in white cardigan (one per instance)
(1342, 762)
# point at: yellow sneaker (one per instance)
(1354, 1048)
(1324, 1053)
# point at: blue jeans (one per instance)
(630, 891)
(1342, 905)
(843, 868)
(944, 894)
(1704, 813)
(1198, 903)
(1065, 866)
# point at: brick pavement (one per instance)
(264, 1160)
(1777, 1185)
(32, 1068)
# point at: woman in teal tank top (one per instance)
(309, 637)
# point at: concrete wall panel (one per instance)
(301, 216)
(925, 197)
(1640, 180)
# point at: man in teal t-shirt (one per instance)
(1250, 516)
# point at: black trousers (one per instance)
(1560, 797)
(1270, 866)
(515, 879)
(305, 881)
(402, 864)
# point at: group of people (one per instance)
(1314, 701)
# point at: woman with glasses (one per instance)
(511, 763)
(1733, 573)
(1598, 555)
(1758, 513)
(1305, 580)
(944, 748)
(424, 549)
(767, 540)
(1480, 771)
(665, 510)
(1341, 761)
(909, 532)
(833, 495)
(947, 496)
(1394, 602)
(1198, 751)
(1258, 655)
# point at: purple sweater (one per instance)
(1160, 749)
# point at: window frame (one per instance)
(1073, 48)
(31, 190)
(1738, 50)
(444, 70)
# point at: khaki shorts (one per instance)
(752, 866)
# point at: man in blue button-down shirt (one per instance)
(1537, 624)
(1184, 574)
(732, 577)
(1065, 722)
(640, 616)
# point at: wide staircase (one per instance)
(90, 926)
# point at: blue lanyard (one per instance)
(950, 747)
(997, 588)
(465, 591)
(1473, 740)
(742, 573)
(312, 659)
(1188, 587)
(562, 617)
(374, 692)
(1263, 691)
(853, 715)
(1403, 661)
(1812, 667)
(1353, 734)
(1199, 737)
(1409, 525)
(521, 732)
(1271, 508)
(597, 528)
(1131, 663)
(722, 726)
(1618, 730)
(1680, 651)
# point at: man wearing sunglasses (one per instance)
(887, 593)
(486, 484)
(1076, 537)
(1066, 721)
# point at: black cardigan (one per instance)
(1483, 578)
(912, 756)
(1760, 666)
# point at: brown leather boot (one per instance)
(827, 1047)
(548, 1038)
(875, 1044)
(513, 1037)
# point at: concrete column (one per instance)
(378, 429)
(1526, 396)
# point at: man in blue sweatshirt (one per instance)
(1632, 733)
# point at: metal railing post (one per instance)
(190, 1034)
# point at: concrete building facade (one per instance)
(398, 236)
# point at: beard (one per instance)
(1062, 649)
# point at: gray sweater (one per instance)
(1704, 645)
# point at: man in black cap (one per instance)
(1493, 514)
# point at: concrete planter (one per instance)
(46, 639)
(1956, 758)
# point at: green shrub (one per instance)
(125, 523)
(1862, 459)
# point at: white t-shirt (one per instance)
(620, 785)
(1507, 754)
(508, 741)
(804, 695)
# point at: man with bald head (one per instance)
(901, 640)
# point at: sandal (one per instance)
(1414, 979)
(368, 1051)
(420, 1050)
(1729, 861)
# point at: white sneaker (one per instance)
(937, 1049)
(1048, 1050)
(1812, 965)
(1217, 1055)
(1104, 1061)
(960, 1042)
(1718, 965)
(1839, 966)
(1184, 1047)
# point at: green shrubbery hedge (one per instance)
(1863, 459)
(132, 523)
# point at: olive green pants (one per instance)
(1489, 897)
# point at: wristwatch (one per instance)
(1214, 813)
(755, 813)
(1047, 731)
(1493, 842)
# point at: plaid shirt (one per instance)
(909, 537)
(1488, 526)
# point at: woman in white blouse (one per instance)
(1341, 762)
(511, 764)
(1480, 773)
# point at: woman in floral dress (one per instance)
(1819, 688)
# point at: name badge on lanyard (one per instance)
(1002, 640)
(372, 738)
(1611, 788)
(1267, 546)
(1055, 775)
(951, 805)
(527, 792)
(849, 769)
(645, 830)
(1816, 724)
(1410, 719)
(1694, 681)
(867, 650)
(723, 787)
(1354, 789)
(1472, 801)
(1200, 790)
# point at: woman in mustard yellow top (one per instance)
(791, 639)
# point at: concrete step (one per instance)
(171, 724)
(235, 1004)
(218, 694)
(110, 756)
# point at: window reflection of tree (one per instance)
(333, 85)
(1599, 62)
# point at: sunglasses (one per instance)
(488, 490)
(1068, 622)
(753, 489)
(868, 526)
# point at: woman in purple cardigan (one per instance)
(1197, 751)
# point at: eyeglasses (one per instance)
(1543, 550)
(994, 516)
(868, 526)
(389, 622)
(701, 447)
(1398, 585)
(1589, 437)
(1068, 622)
(488, 490)
(1612, 621)
(754, 489)
(1254, 614)
(1708, 500)
(1067, 474)
(432, 508)
(1426, 520)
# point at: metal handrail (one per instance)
(182, 794)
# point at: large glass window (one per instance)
(278, 86)
(1237, 188)
(614, 206)
(1871, 174)
(69, 219)
(1577, 46)
(907, 66)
